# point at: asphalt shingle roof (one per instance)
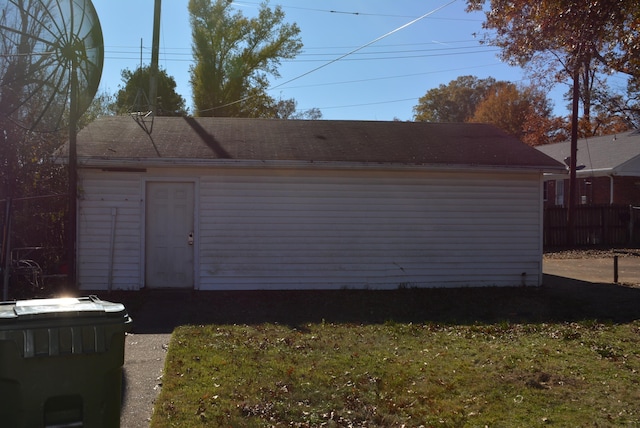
(599, 153)
(407, 143)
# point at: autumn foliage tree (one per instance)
(577, 38)
(455, 102)
(524, 112)
(569, 40)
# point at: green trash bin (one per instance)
(61, 362)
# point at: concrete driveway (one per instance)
(143, 364)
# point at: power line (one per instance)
(390, 77)
(397, 51)
(357, 53)
(296, 60)
(181, 51)
(367, 104)
(433, 42)
(402, 27)
(402, 57)
(382, 78)
(337, 12)
(342, 12)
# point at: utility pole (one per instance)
(571, 206)
(155, 49)
(72, 215)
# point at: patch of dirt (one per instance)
(587, 253)
(541, 380)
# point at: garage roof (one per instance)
(121, 138)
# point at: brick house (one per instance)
(610, 173)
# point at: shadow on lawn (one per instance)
(559, 299)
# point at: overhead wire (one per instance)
(400, 76)
(342, 12)
(180, 55)
(402, 27)
(379, 58)
(408, 56)
(247, 3)
(397, 51)
(368, 104)
(382, 78)
(326, 64)
(174, 54)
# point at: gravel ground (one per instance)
(586, 253)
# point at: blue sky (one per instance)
(382, 81)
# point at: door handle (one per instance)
(190, 240)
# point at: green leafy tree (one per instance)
(103, 104)
(287, 109)
(133, 95)
(454, 102)
(235, 55)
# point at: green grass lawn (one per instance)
(402, 374)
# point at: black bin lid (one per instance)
(90, 306)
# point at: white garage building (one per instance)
(237, 204)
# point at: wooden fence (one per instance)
(594, 225)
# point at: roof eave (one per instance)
(583, 173)
(100, 162)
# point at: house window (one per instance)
(545, 191)
(560, 192)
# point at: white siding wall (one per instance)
(337, 230)
(285, 229)
(100, 194)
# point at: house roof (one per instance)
(617, 154)
(220, 140)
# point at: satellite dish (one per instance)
(51, 61)
(51, 57)
(567, 162)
